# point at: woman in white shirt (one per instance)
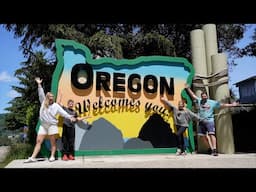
(48, 126)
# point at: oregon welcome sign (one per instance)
(122, 97)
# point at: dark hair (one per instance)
(204, 92)
(70, 100)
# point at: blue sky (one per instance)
(11, 57)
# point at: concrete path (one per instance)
(3, 152)
(147, 161)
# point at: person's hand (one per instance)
(234, 104)
(186, 86)
(38, 80)
(73, 119)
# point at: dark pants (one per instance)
(68, 140)
(180, 138)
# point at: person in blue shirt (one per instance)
(206, 113)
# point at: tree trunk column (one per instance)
(199, 63)
(223, 121)
(211, 48)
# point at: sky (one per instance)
(11, 57)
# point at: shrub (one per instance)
(19, 151)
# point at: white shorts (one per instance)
(46, 129)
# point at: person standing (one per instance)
(206, 113)
(182, 117)
(68, 134)
(48, 121)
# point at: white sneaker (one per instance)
(178, 152)
(51, 159)
(30, 160)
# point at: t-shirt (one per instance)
(206, 110)
(72, 112)
(182, 117)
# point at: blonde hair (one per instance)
(47, 99)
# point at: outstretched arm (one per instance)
(41, 93)
(225, 105)
(82, 118)
(168, 103)
(193, 115)
(190, 92)
(64, 114)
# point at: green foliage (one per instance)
(2, 121)
(111, 40)
(106, 45)
(18, 151)
(155, 44)
(31, 121)
(250, 49)
(34, 35)
(36, 65)
(4, 141)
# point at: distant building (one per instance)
(247, 90)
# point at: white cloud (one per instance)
(5, 77)
(13, 94)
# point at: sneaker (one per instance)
(30, 160)
(184, 153)
(214, 152)
(71, 157)
(51, 159)
(178, 152)
(65, 158)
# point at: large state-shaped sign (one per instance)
(123, 99)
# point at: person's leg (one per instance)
(214, 143)
(72, 143)
(64, 140)
(71, 140)
(53, 147)
(180, 139)
(52, 132)
(181, 133)
(205, 140)
(202, 133)
(41, 134)
(211, 133)
(39, 141)
(213, 140)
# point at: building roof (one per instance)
(248, 79)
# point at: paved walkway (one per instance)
(147, 161)
(3, 152)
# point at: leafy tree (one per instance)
(2, 121)
(36, 65)
(31, 120)
(34, 35)
(115, 40)
(153, 44)
(179, 34)
(107, 45)
(250, 49)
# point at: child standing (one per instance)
(68, 134)
(182, 117)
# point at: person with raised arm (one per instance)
(48, 121)
(182, 117)
(206, 113)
